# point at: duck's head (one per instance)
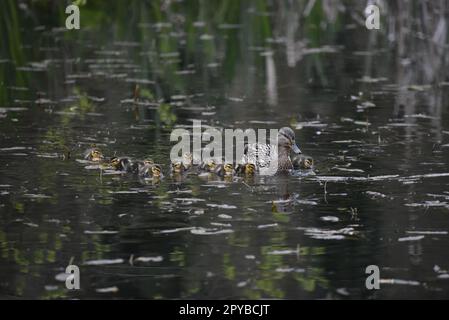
(308, 163)
(250, 168)
(177, 167)
(156, 171)
(148, 161)
(228, 169)
(286, 139)
(96, 155)
(210, 164)
(115, 163)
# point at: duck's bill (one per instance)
(296, 149)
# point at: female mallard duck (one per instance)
(264, 156)
(302, 163)
(93, 154)
(224, 170)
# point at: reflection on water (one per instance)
(369, 106)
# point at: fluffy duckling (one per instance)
(182, 166)
(121, 164)
(151, 171)
(177, 167)
(302, 163)
(208, 165)
(224, 170)
(93, 154)
(248, 169)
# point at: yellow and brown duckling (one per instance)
(224, 170)
(303, 163)
(177, 167)
(182, 165)
(120, 164)
(93, 154)
(208, 165)
(248, 169)
(151, 170)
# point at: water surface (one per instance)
(372, 114)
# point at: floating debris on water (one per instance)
(221, 206)
(107, 290)
(329, 234)
(264, 226)
(399, 281)
(174, 230)
(149, 259)
(224, 216)
(374, 194)
(427, 232)
(289, 270)
(105, 232)
(284, 252)
(368, 79)
(329, 219)
(411, 238)
(213, 231)
(103, 262)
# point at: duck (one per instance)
(138, 165)
(248, 169)
(181, 166)
(262, 155)
(93, 154)
(177, 167)
(302, 163)
(151, 171)
(121, 164)
(208, 165)
(224, 170)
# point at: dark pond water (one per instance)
(372, 114)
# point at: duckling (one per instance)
(248, 169)
(93, 154)
(177, 167)
(208, 165)
(120, 164)
(224, 170)
(302, 163)
(183, 165)
(139, 165)
(151, 171)
(262, 155)
(156, 171)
